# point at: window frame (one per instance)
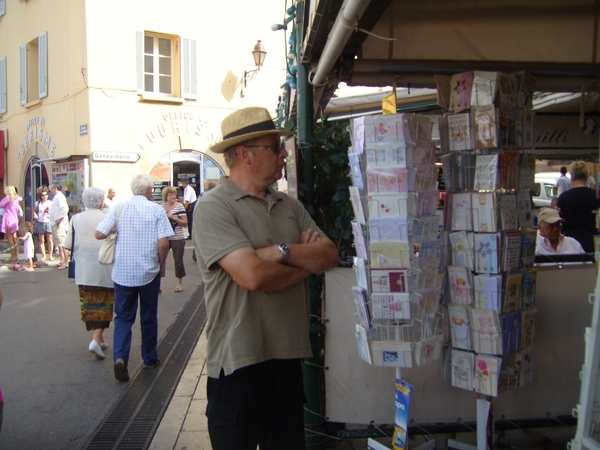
(3, 86)
(41, 43)
(183, 68)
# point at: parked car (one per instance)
(544, 188)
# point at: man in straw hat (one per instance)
(550, 240)
(255, 248)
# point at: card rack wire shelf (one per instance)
(587, 410)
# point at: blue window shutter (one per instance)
(2, 85)
(23, 73)
(139, 59)
(189, 80)
(43, 64)
(2, 7)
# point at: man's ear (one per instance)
(243, 153)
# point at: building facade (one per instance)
(92, 92)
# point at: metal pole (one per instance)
(312, 368)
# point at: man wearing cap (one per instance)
(255, 248)
(189, 201)
(550, 240)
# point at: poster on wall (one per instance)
(72, 176)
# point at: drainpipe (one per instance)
(347, 19)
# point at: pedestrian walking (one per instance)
(142, 247)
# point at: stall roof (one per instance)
(412, 40)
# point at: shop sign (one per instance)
(115, 157)
(565, 131)
(36, 133)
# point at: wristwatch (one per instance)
(285, 251)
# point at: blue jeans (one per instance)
(126, 303)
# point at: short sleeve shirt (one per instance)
(141, 224)
(189, 194)
(566, 246)
(243, 327)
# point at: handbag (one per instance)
(106, 254)
(71, 269)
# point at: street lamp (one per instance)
(258, 53)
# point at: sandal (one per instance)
(61, 267)
(178, 288)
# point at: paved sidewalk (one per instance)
(184, 424)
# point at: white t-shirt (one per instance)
(189, 194)
(566, 246)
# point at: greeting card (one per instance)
(390, 255)
(426, 202)
(460, 326)
(487, 335)
(388, 205)
(462, 251)
(509, 170)
(485, 88)
(512, 292)
(511, 331)
(386, 229)
(356, 170)
(422, 151)
(428, 349)
(524, 210)
(486, 253)
(392, 354)
(463, 369)
(528, 288)
(389, 280)
(428, 303)
(484, 122)
(386, 154)
(360, 271)
(426, 177)
(461, 85)
(360, 300)
(487, 292)
(486, 173)
(362, 342)
(487, 369)
(511, 250)
(527, 171)
(359, 240)
(467, 163)
(390, 306)
(462, 217)
(484, 212)
(459, 132)
(358, 134)
(528, 240)
(426, 228)
(426, 273)
(419, 126)
(451, 171)
(507, 204)
(359, 214)
(507, 136)
(382, 128)
(388, 179)
(527, 327)
(461, 286)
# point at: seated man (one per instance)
(550, 240)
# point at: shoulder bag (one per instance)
(106, 254)
(71, 271)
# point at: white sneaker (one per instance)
(96, 350)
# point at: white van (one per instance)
(544, 188)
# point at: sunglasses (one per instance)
(275, 148)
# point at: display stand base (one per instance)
(453, 443)
(372, 444)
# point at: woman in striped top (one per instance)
(178, 219)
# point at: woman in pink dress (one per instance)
(10, 219)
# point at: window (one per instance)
(34, 69)
(166, 65)
(2, 7)
(2, 85)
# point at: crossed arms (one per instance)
(261, 269)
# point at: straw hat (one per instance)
(246, 124)
(549, 216)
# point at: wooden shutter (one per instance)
(139, 60)
(189, 80)
(2, 7)
(23, 73)
(3, 85)
(43, 64)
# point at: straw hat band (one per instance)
(267, 125)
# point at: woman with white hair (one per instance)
(96, 288)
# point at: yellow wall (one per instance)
(92, 79)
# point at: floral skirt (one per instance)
(96, 306)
